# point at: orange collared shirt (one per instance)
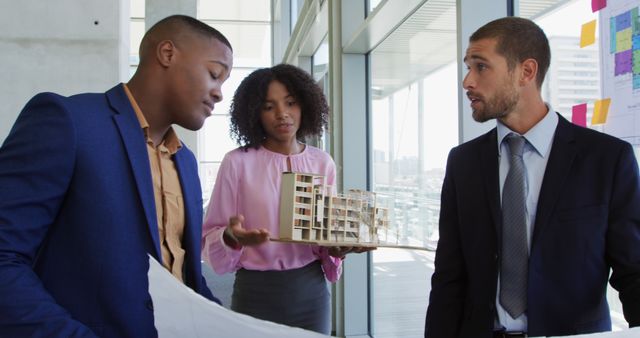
(167, 192)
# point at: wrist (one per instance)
(230, 239)
(336, 252)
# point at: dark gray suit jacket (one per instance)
(587, 222)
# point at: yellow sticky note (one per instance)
(600, 111)
(623, 40)
(588, 35)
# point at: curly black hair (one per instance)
(248, 100)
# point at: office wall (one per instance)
(64, 46)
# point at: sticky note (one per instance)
(636, 62)
(635, 42)
(623, 62)
(579, 114)
(623, 40)
(600, 111)
(597, 5)
(636, 81)
(588, 34)
(623, 20)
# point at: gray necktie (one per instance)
(515, 251)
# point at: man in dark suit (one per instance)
(92, 183)
(578, 209)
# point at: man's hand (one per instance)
(236, 233)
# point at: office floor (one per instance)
(220, 285)
(401, 283)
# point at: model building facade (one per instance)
(309, 211)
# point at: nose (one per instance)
(282, 111)
(467, 82)
(216, 94)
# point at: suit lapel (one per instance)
(489, 160)
(562, 154)
(133, 140)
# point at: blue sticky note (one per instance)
(623, 21)
(636, 42)
(636, 81)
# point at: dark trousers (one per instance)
(298, 297)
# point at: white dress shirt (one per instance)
(536, 154)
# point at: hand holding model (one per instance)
(236, 234)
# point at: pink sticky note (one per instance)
(597, 5)
(579, 114)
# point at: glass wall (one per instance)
(414, 123)
(296, 7)
(372, 5)
(413, 117)
(247, 25)
(320, 73)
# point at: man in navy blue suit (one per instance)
(92, 183)
(579, 214)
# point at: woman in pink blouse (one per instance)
(273, 110)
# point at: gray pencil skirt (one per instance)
(298, 297)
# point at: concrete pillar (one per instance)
(62, 46)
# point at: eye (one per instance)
(214, 76)
(267, 107)
(481, 66)
(291, 103)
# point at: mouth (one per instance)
(284, 126)
(209, 106)
(473, 98)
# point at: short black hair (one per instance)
(174, 27)
(249, 98)
(518, 39)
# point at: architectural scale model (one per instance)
(310, 212)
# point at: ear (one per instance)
(529, 71)
(165, 52)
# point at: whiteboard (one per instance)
(620, 68)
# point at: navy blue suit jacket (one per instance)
(587, 222)
(77, 220)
